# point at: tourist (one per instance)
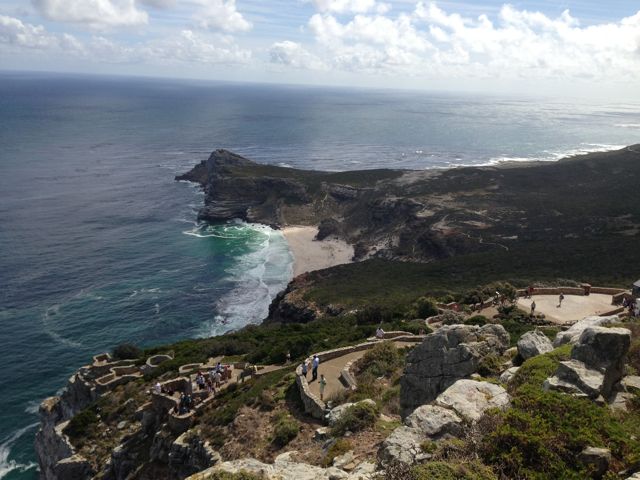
(158, 387)
(200, 381)
(217, 378)
(303, 368)
(323, 383)
(380, 333)
(218, 367)
(533, 308)
(314, 368)
(288, 358)
(560, 299)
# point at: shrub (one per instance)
(339, 447)
(490, 365)
(452, 471)
(286, 429)
(81, 423)
(423, 307)
(356, 418)
(373, 314)
(241, 475)
(126, 351)
(478, 320)
(384, 359)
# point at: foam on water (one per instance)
(256, 276)
(6, 465)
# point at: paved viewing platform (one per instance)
(574, 307)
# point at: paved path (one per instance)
(574, 307)
(332, 368)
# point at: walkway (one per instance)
(574, 307)
(332, 368)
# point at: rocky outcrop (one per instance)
(533, 343)
(596, 364)
(572, 334)
(451, 353)
(285, 468)
(461, 405)
(508, 374)
(596, 460)
(470, 399)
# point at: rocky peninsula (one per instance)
(433, 369)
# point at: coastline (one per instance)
(310, 254)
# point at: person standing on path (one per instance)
(303, 367)
(322, 383)
(560, 299)
(314, 368)
(533, 308)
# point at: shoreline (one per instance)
(310, 254)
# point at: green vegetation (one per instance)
(286, 429)
(82, 423)
(383, 360)
(452, 471)
(423, 307)
(396, 285)
(542, 434)
(242, 475)
(126, 351)
(356, 418)
(339, 447)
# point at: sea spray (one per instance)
(262, 266)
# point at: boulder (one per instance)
(533, 343)
(470, 399)
(596, 365)
(508, 374)
(445, 356)
(604, 349)
(403, 446)
(572, 335)
(596, 460)
(435, 422)
(631, 384)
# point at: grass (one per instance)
(355, 418)
(286, 428)
(339, 447)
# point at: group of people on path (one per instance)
(213, 380)
(313, 365)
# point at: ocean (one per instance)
(99, 245)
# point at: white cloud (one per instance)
(221, 15)
(98, 14)
(185, 47)
(431, 42)
(17, 34)
(292, 54)
(158, 3)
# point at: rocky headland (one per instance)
(461, 384)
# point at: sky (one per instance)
(588, 48)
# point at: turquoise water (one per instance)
(99, 245)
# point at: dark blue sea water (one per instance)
(98, 244)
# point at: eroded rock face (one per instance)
(435, 421)
(533, 343)
(404, 446)
(596, 364)
(470, 399)
(451, 353)
(508, 374)
(572, 335)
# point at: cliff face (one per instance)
(422, 216)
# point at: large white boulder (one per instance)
(470, 399)
(533, 343)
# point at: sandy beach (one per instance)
(310, 255)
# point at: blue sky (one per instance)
(583, 48)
